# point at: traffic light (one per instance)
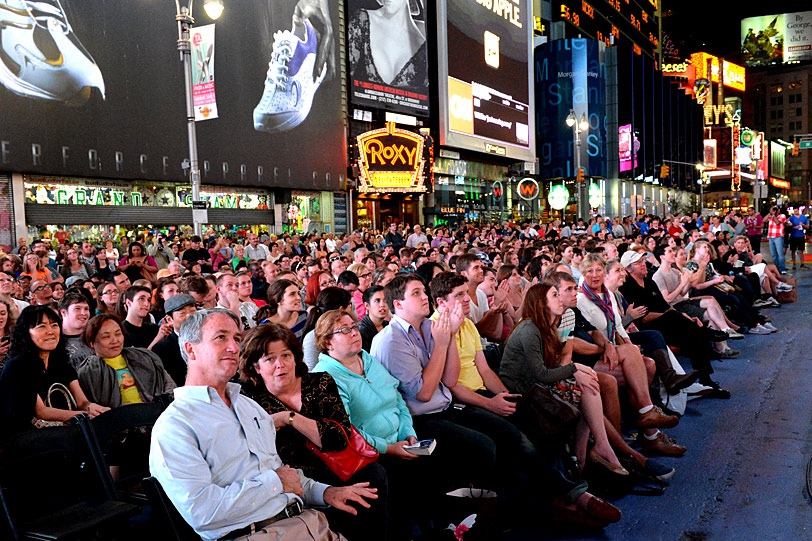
(580, 174)
(665, 170)
(795, 148)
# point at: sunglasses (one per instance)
(40, 288)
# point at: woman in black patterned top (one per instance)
(300, 404)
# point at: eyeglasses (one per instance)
(347, 329)
(365, 275)
(40, 288)
(112, 292)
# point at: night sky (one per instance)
(713, 26)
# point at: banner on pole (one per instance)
(205, 101)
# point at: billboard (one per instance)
(776, 39)
(485, 77)
(388, 55)
(571, 78)
(96, 89)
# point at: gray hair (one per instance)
(591, 259)
(191, 330)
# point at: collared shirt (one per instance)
(260, 253)
(405, 353)
(218, 464)
(775, 228)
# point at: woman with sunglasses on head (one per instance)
(307, 407)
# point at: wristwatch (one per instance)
(290, 419)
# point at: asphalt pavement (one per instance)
(745, 473)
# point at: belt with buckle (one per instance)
(293, 509)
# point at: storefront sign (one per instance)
(558, 197)
(595, 195)
(528, 189)
(782, 184)
(390, 160)
(46, 190)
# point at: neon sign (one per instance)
(390, 160)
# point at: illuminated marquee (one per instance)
(732, 74)
(390, 160)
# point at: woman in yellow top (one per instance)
(116, 375)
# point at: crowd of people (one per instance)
(269, 347)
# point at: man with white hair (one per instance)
(417, 238)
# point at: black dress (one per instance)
(22, 380)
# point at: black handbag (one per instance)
(553, 414)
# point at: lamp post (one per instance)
(579, 126)
(183, 15)
(703, 181)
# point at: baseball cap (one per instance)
(72, 280)
(176, 302)
(631, 256)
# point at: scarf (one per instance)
(605, 304)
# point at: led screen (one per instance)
(484, 76)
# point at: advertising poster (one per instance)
(103, 96)
(571, 78)
(204, 99)
(388, 55)
(485, 77)
(775, 39)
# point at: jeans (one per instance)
(777, 251)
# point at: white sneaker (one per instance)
(783, 286)
(41, 57)
(773, 301)
(760, 329)
(769, 327)
(761, 303)
(289, 84)
(733, 335)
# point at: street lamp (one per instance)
(579, 126)
(183, 15)
(703, 181)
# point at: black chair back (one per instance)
(170, 521)
(52, 488)
(121, 438)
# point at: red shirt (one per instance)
(775, 226)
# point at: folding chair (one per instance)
(52, 489)
(120, 438)
(171, 521)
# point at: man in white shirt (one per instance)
(417, 238)
(209, 423)
(255, 250)
(489, 322)
(228, 297)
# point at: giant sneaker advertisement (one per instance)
(95, 88)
